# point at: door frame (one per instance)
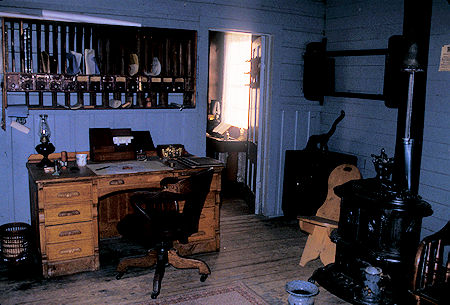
(264, 123)
(264, 115)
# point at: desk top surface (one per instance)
(100, 169)
(225, 145)
(128, 167)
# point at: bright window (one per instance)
(236, 79)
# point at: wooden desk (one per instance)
(216, 145)
(232, 147)
(65, 214)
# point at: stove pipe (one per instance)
(411, 107)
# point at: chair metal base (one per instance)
(161, 257)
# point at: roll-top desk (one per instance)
(69, 214)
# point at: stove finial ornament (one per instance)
(383, 165)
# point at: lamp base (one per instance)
(45, 149)
(45, 162)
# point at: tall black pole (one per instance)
(410, 121)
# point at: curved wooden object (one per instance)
(174, 259)
(187, 263)
(146, 261)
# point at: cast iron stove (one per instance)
(379, 230)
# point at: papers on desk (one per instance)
(128, 167)
(222, 127)
(195, 162)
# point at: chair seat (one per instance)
(307, 223)
(437, 294)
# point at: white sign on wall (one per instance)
(445, 58)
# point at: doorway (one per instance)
(237, 108)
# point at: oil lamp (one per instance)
(45, 148)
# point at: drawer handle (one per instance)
(69, 233)
(202, 216)
(68, 213)
(70, 251)
(116, 182)
(68, 194)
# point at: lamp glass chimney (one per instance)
(44, 129)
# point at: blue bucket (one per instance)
(301, 292)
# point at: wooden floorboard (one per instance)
(262, 253)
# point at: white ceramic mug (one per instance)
(81, 159)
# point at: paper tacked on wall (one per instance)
(445, 58)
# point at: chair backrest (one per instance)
(340, 175)
(430, 266)
(197, 188)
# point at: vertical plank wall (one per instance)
(369, 125)
(290, 26)
(347, 24)
(435, 167)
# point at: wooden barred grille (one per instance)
(137, 67)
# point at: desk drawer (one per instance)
(205, 226)
(70, 250)
(68, 213)
(63, 193)
(69, 232)
(108, 185)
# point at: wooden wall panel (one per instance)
(21, 144)
(435, 168)
(6, 203)
(368, 125)
(297, 125)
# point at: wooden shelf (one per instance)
(35, 62)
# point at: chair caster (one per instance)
(154, 295)
(119, 275)
(203, 277)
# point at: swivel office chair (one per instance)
(158, 222)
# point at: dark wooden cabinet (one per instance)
(306, 179)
